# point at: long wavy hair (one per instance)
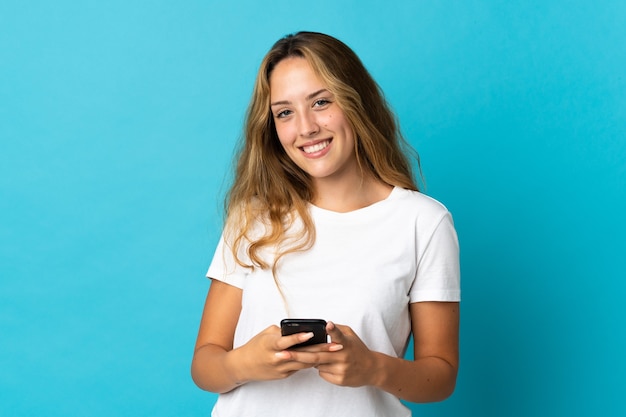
(269, 189)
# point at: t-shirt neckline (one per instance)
(394, 191)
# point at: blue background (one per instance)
(117, 125)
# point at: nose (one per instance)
(307, 124)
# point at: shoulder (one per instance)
(247, 222)
(418, 204)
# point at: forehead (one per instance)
(293, 76)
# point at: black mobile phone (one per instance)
(317, 326)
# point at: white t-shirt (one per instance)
(363, 271)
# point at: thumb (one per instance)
(336, 335)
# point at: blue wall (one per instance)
(117, 124)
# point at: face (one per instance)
(311, 127)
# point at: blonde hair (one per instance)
(269, 188)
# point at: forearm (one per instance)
(215, 369)
(428, 379)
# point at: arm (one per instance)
(217, 367)
(430, 377)
(209, 369)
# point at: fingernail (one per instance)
(334, 348)
(306, 336)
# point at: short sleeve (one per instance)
(438, 275)
(224, 267)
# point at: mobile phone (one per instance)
(317, 326)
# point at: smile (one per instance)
(317, 147)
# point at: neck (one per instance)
(344, 196)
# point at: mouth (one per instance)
(316, 147)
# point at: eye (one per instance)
(282, 114)
(321, 102)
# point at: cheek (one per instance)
(335, 121)
(284, 134)
(327, 120)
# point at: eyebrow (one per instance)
(309, 97)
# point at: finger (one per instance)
(334, 347)
(336, 335)
(320, 347)
(283, 354)
(332, 378)
(310, 358)
(285, 342)
(320, 354)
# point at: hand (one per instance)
(346, 361)
(265, 357)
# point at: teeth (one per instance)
(315, 148)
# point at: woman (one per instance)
(324, 220)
